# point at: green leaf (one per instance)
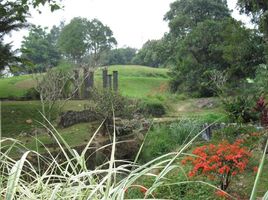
(14, 175)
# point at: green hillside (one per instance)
(149, 80)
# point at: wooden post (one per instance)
(104, 78)
(76, 83)
(115, 81)
(110, 81)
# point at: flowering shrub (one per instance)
(219, 162)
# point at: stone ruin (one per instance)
(70, 118)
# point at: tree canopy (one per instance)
(120, 56)
(72, 39)
(98, 38)
(184, 15)
(82, 37)
(259, 11)
(205, 39)
(13, 16)
(222, 46)
(39, 47)
(153, 53)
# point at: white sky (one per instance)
(133, 22)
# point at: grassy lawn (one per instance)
(134, 81)
(15, 114)
(15, 86)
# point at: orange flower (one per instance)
(221, 193)
(222, 160)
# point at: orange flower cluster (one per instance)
(219, 161)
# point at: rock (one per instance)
(205, 103)
(29, 121)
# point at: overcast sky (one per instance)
(133, 22)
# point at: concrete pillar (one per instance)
(76, 83)
(110, 81)
(115, 81)
(91, 78)
(104, 78)
(86, 83)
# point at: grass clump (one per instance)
(153, 108)
(166, 138)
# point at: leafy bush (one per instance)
(32, 94)
(260, 82)
(240, 108)
(165, 138)
(153, 108)
(232, 133)
(184, 130)
(105, 102)
(158, 142)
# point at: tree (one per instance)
(39, 47)
(72, 40)
(259, 11)
(153, 53)
(225, 46)
(184, 15)
(13, 16)
(82, 37)
(98, 38)
(120, 56)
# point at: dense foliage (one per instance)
(153, 53)
(259, 11)
(184, 15)
(82, 37)
(40, 48)
(206, 39)
(13, 16)
(120, 56)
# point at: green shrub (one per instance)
(184, 130)
(240, 108)
(166, 138)
(158, 142)
(32, 94)
(105, 102)
(211, 117)
(153, 108)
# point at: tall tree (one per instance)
(98, 38)
(39, 47)
(151, 54)
(120, 56)
(258, 9)
(72, 40)
(184, 15)
(224, 46)
(13, 16)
